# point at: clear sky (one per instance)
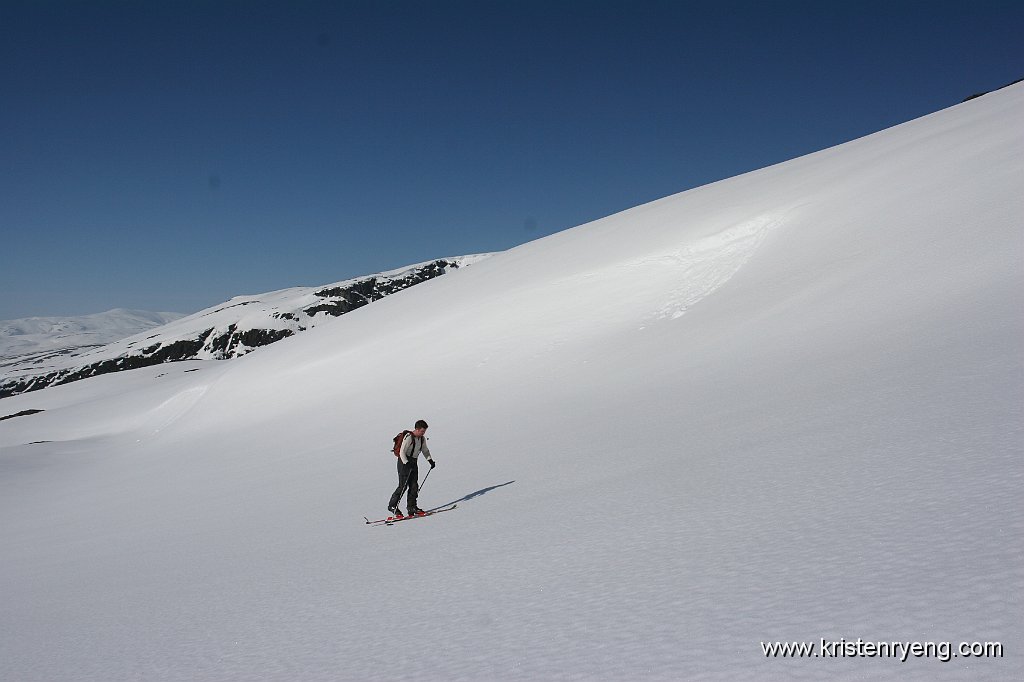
(170, 155)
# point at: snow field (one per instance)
(782, 407)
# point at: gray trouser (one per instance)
(408, 476)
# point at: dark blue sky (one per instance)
(170, 155)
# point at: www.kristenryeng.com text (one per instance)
(860, 648)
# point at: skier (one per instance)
(413, 444)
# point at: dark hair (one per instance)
(421, 424)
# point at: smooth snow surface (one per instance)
(782, 407)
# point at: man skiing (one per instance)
(413, 444)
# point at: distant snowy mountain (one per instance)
(781, 408)
(35, 338)
(40, 352)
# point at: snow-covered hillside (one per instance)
(32, 338)
(220, 332)
(782, 407)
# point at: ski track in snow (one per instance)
(172, 409)
(707, 265)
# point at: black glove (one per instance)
(433, 464)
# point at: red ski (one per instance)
(391, 520)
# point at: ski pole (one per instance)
(425, 480)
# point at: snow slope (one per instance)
(782, 407)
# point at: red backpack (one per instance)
(398, 443)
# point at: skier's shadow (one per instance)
(478, 493)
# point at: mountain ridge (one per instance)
(224, 331)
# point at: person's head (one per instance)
(420, 428)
